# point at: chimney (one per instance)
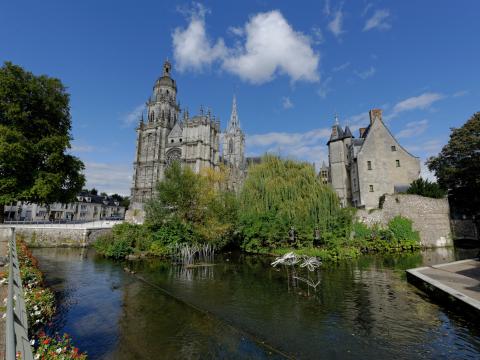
(375, 114)
(362, 132)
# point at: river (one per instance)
(242, 308)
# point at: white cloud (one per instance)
(268, 46)
(287, 103)
(358, 121)
(309, 146)
(413, 128)
(317, 35)
(378, 21)
(109, 178)
(366, 74)
(335, 25)
(341, 67)
(365, 10)
(238, 31)
(326, 8)
(272, 46)
(133, 116)
(192, 48)
(325, 88)
(460, 93)
(82, 148)
(274, 139)
(425, 173)
(422, 102)
(428, 148)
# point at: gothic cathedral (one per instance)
(166, 136)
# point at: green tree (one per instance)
(281, 198)
(457, 167)
(35, 129)
(426, 188)
(187, 202)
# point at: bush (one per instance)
(124, 240)
(402, 230)
(426, 188)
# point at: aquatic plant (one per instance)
(188, 254)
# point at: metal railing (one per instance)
(16, 333)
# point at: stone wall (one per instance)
(431, 217)
(56, 237)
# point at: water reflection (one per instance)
(361, 308)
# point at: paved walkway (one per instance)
(459, 279)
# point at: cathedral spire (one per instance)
(234, 123)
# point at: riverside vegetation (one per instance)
(40, 308)
(282, 206)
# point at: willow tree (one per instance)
(283, 200)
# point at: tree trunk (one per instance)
(2, 213)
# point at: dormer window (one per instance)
(88, 199)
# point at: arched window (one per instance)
(230, 146)
(152, 116)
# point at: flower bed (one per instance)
(40, 307)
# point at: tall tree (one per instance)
(457, 167)
(35, 129)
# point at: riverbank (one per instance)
(40, 308)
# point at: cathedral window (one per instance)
(152, 116)
(369, 165)
(397, 163)
(230, 146)
(371, 188)
(394, 148)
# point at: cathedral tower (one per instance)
(234, 140)
(161, 116)
(234, 148)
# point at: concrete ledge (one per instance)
(457, 284)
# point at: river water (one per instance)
(242, 308)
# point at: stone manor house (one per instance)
(169, 135)
(363, 169)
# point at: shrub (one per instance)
(402, 230)
(426, 188)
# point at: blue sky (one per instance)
(292, 66)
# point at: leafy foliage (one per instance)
(124, 240)
(280, 196)
(457, 167)
(35, 129)
(198, 206)
(189, 208)
(426, 188)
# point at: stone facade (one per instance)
(87, 207)
(431, 217)
(365, 168)
(234, 150)
(165, 138)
